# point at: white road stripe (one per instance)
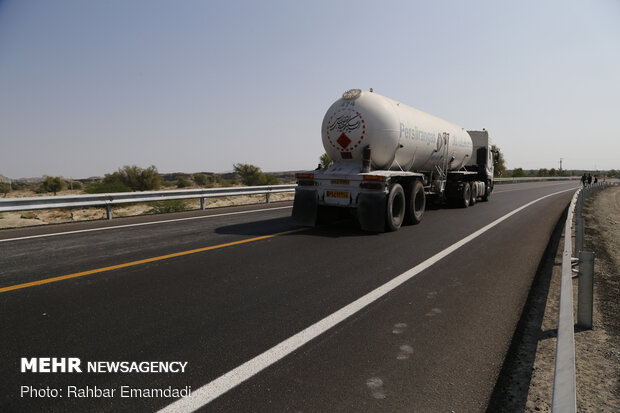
(222, 384)
(141, 224)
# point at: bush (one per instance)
(224, 182)
(106, 187)
(251, 175)
(168, 184)
(163, 207)
(136, 178)
(183, 183)
(326, 161)
(76, 185)
(16, 186)
(269, 180)
(53, 184)
(200, 179)
(5, 188)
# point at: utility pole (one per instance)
(561, 166)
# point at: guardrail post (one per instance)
(202, 204)
(108, 210)
(579, 234)
(267, 197)
(585, 293)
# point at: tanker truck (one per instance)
(389, 160)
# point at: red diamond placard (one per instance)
(343, 140)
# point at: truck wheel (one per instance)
(416, 203)
(395, 210)
(487, 191)
(474, 194)
(466, 195)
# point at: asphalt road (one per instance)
(435, 343)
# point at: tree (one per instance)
(248, 174)
(326, 161)
(553, 172)
(518, 172)
(543, 172)
(500, 166)
(5, 188)
(200, 179)
(53, 184)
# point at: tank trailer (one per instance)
(389, 160)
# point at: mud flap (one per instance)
(371, 212)
(305, 208)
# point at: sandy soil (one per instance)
(55, 216)
(526, 381)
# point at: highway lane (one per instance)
(219, 308)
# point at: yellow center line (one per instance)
(145, 261)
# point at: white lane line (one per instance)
(142, 224)
(226, 382)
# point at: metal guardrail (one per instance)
(537, 178)
(564, 380)
(109, 200)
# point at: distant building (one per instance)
(5, 179)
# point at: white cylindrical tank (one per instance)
(399, 136)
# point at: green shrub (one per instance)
(168, 184)
(53, 184)
(163, 207)
(16, 186)
(5, 188)
(183, 183)
(106, 187)
(75, 185)
(251, 175)
(136, 178)
(326, 161)
(200, 179)
(269, 180)
(223, 182)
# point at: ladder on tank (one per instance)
(442, 171)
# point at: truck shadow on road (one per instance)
(337, 228)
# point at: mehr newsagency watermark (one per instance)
(75, 365)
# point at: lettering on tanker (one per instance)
(416, 134)
(345, 123)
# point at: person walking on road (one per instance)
(589, 179)
(584, 178)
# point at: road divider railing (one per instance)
(112, 199)
(564, 380)
(536, 178)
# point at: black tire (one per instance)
(395, 208)
(465, 195)
(474, 194)
(487, 191)
(416, 203)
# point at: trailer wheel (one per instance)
(465, 195)
(395, 210)
(416, 203)
(474, 194)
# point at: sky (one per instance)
(87, 87)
